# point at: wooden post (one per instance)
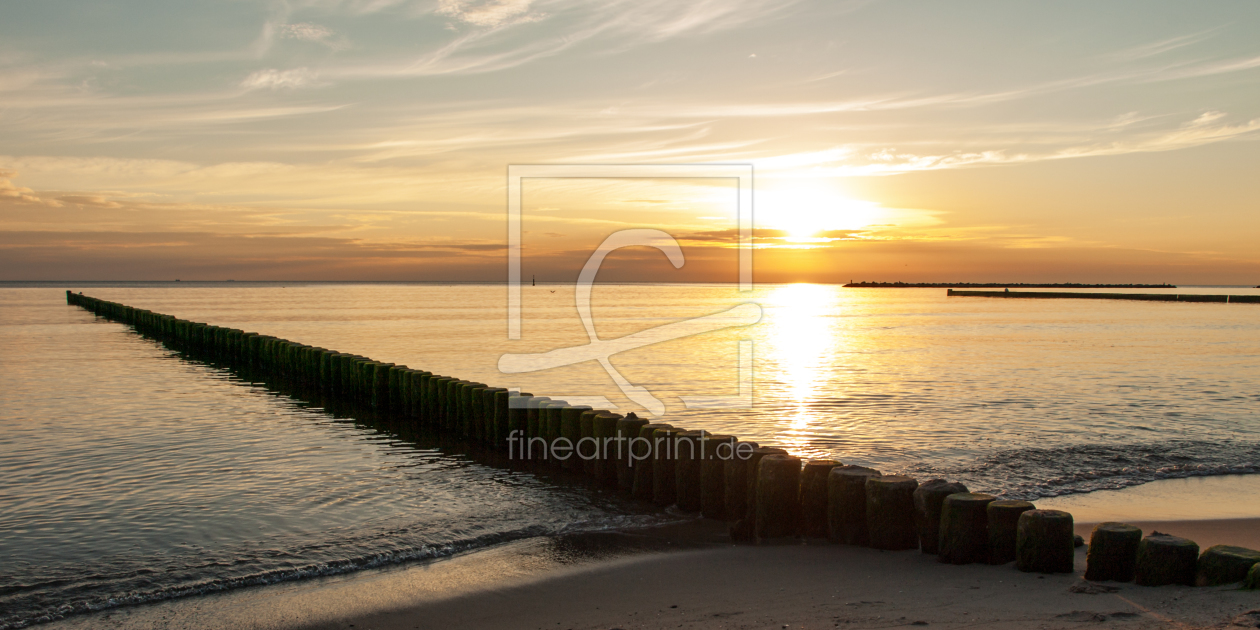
(928, 499)
(687, 470)
(716, 449)
(778, 497)
(814, 497)
(890, 512)
(1003, 529)
(1044, 542)
(964, 533)
(664, 473)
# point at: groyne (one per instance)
(1072, 295)
(764, 492)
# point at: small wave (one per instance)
(37, 614)
(1033, 473)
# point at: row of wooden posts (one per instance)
(765, 492)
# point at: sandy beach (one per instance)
(685, 576)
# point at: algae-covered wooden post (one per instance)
(664, 476)
(587, 448)
(517, 410)
(1164, 559)
(846, 504)
(571, 434)
(604, 426)
(1224, 564)
(1003, 529)
(735, 478)
(1112, 554)
(715, 449)
(1044, 542)
(534, 417)
(644, 453)
(814, 496)
(551, 412)
(628, 429)
(778, 497)
(928, 498)
(750, 498)
(476, 413)
(964, 532)
(687, 470)
(499, 419)
(890, 512)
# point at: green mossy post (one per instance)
(476, 413)
(1043, 542)
(814, 497)
(380, 386)
(502, 397)
(459, 417)
(928, 498)
(716, 449)
(750, 499)
(964, 533)
(1004, 529)
(605, 428)
(571, 430)
(1253, 578)
(664, 476)
(440, 386)
(551, 411)
(645, 453)
(846, 504)
(1112, 554)
(483, 402)
(549, 424)
(517, 411)
(471, 408)
(1164, 559)
(589, 447)
(395, 386)
(735, 478)
(450, 407)
(1223, 564)
(890, 512)
(628, 428)
(778, 497)
(534, 416)
(687, 470)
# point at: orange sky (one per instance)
(329, 140)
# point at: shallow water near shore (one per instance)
(133, 474)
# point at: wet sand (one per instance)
(689, 576)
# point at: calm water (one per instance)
(132, 474)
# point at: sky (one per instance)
(370, 139)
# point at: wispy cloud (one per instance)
(306, 31)
(487, 12)
(278, 79)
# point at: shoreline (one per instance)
(490, 577)
(682, 576)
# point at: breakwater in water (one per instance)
(765, 492)
(1148, 297)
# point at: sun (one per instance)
(808, 212)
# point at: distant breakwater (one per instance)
(764, 492)
(1000, 285)
(1148, 297)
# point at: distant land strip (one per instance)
(1000, 285)
(1149, 297)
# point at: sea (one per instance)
(133, 473)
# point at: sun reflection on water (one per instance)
(801, 346)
